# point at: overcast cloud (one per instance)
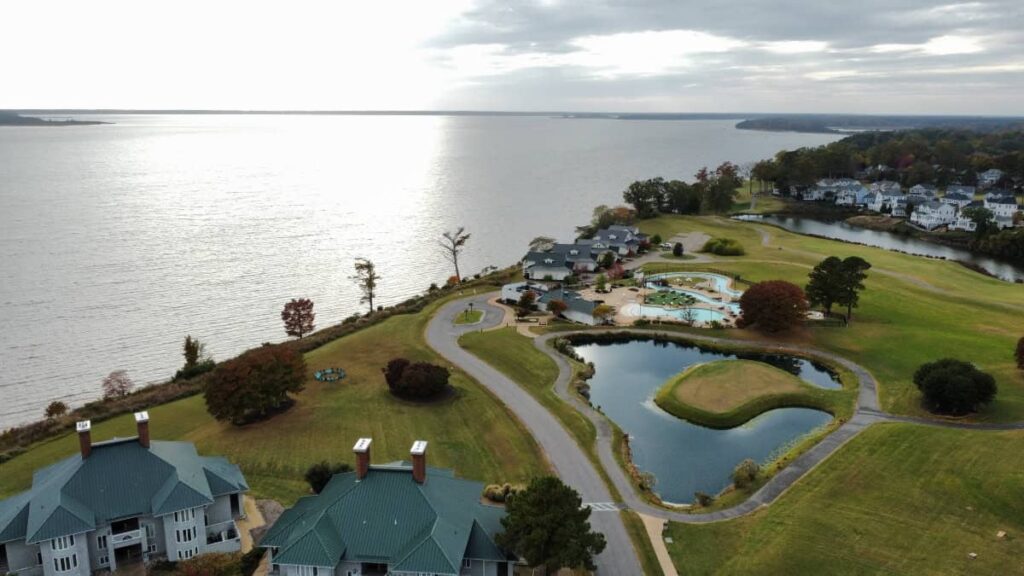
(659, 56)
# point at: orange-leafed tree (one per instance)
(773, 306)
(298, 317)
(556, 307)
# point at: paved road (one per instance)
(565, 456)
(576, 470)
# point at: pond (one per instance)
(881, 239)
(685, 457)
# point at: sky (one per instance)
(867, 56)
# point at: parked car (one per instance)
(666, 245)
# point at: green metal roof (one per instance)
(389, 518)
(119, 479)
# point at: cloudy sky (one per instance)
(868, 56)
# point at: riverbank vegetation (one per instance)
(471, 430)
(898, 499)
(912, 310)
(728, 393)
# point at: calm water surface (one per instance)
(890, 241)
(684, 457)
(116, 241)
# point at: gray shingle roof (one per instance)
(387, 517)
(119, 478)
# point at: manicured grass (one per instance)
(727, 393)
(914, 310)
(898, 499)
(469, 317)
(515, 356)
(471, 432)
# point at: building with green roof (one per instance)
(120, 502)
(397, 518)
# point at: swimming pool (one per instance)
(721, 282)
(651, 311)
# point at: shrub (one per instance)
(1019, 354)
(250, 561)
(677, 249)
(724, 247)
(953, 386)
(703, 498)
(500, 493)
(190, 372)
(255, 385)
(745, 474)
(417, 381)
(773, 306)
(211, 564)
(319, 474)
(656, 239)
(56, 409)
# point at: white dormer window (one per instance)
(549, 261)
(62, 543)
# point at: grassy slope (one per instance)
(899, 499)
(914, 309)
(727, 393)
(473, 433)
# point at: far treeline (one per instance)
(712, 192)
(930, 156)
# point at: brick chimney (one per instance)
(419, 461)
(84, 429)
(362, 450)
(142, 423)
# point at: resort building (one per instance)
(927, 191)
(560, 261)
(402, 518)
(990, 177)
(958, 198)
(1002, 204)
(120, 503)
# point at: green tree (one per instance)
(825, 285)
(601, 283)
(256, 384)
(745, 473)
(677, 249)
(656, 239)
(541, 243)
(56, 409)
(852, 274)
(983, 218)
(366, 278)
(607, 260)
(645, 196)
(718, 188)
(319, 474)
(951, 386)
(193, 352)
(1019, 353)
(547, 525)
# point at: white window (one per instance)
(185, 535)
(62, 543)
(65, 563)
(152, 548)
(187, 553)
(104, 560)
(183, 516)
(101, 542)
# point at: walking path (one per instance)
(575, 469)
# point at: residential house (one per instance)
(990, 178)
(1002, 204)
(963, 223)
(926, 191)
(853, 196)
(401, 518)
(546, 266)
(622, 240)
(580, 257)
(886, 201)
(957, 199)
(931, 215)
(120, 503)
(899, 206)
(885, 186)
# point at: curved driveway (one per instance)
(573, 466)
(565, 456)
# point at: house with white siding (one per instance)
(120, 503)
(931, 215)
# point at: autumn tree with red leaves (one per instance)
(255, 385)
(556, 307)
(298, 317)
(773, 306)
(117, 384)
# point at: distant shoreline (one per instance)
(16, 119)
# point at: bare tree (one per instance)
(298, 317)
(453, 242)
(688, 316)
(117, 384)
(366, 278)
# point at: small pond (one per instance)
(685, 457)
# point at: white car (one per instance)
(666, 245)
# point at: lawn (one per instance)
(727, 393)
(469, 317)
(913, 311)
(898, 499)
(471, 432)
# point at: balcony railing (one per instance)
(223, 535)
(129, 537)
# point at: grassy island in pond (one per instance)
(727, 393)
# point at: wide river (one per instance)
(118, 240)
